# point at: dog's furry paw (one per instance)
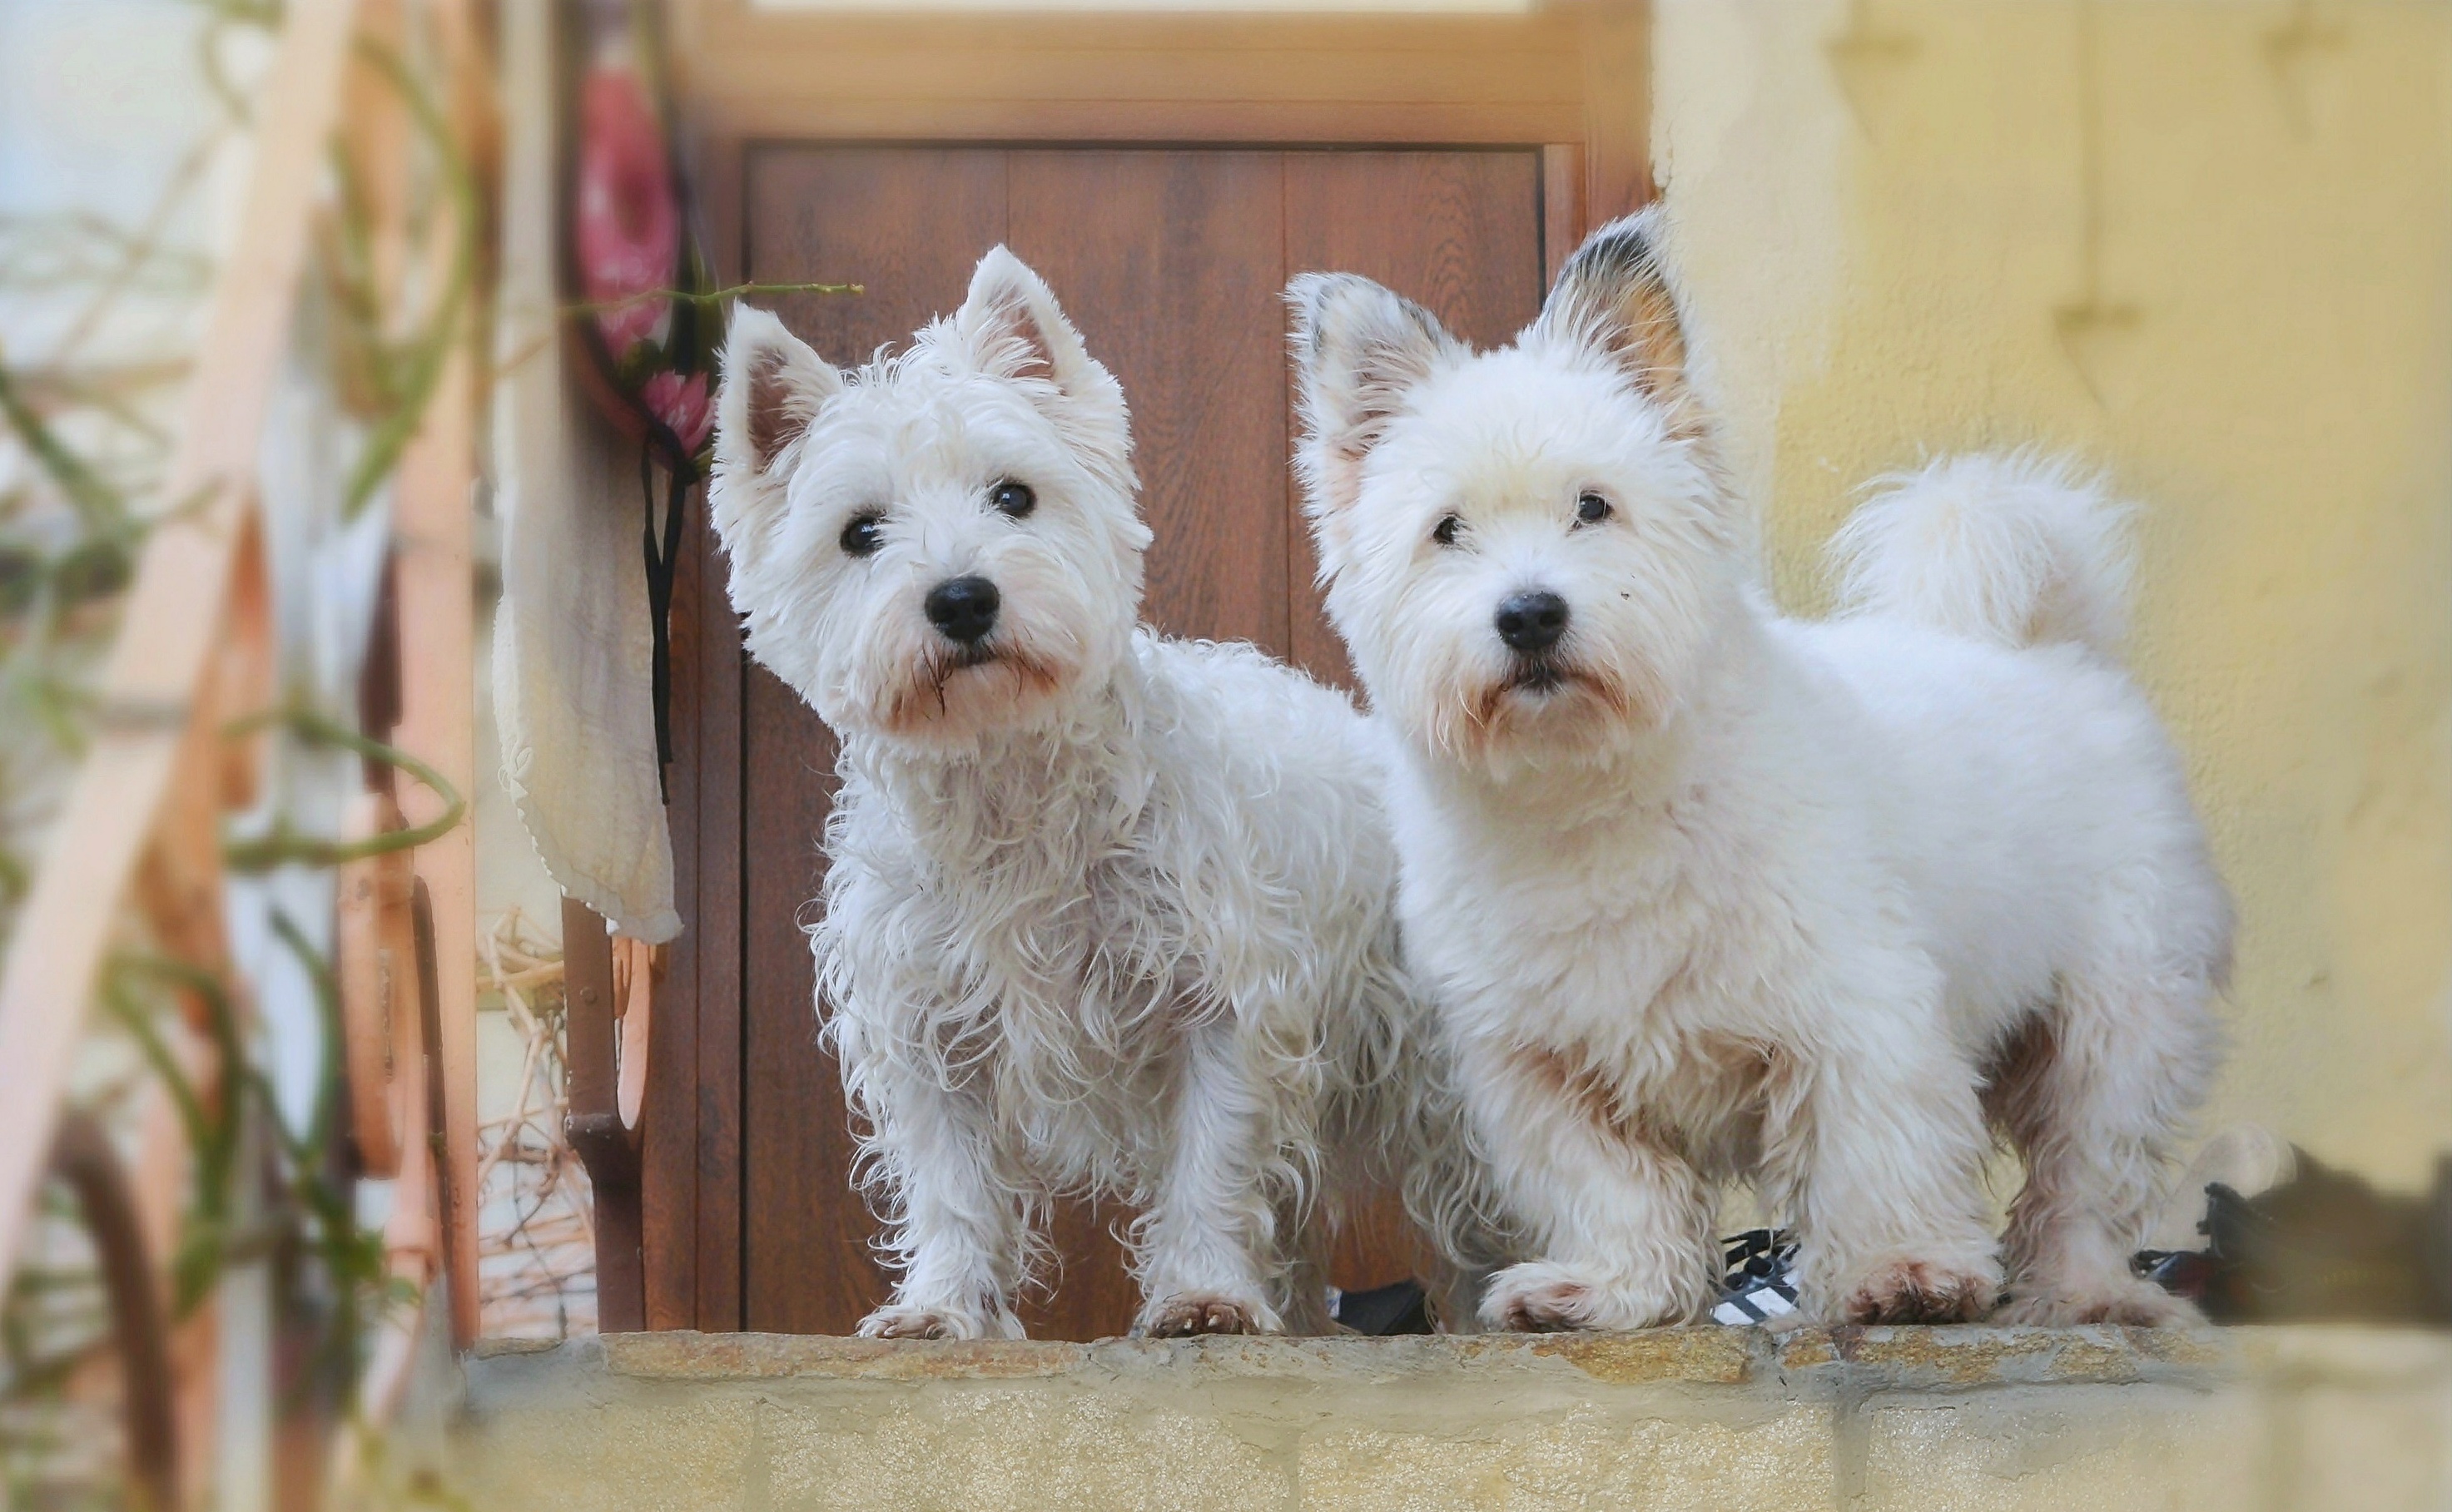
(1543, 1297)
(2128, 1301)
(1186, 1313)
(904, 1321)
(1920, 1291)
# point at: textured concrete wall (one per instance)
(2208, 246)
(1714, 1419)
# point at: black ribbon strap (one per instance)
(663, 559)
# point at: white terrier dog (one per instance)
(1104, 912)
(1704, 893)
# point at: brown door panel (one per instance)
(1171, 261)
(1457, 233)
(1170, 264)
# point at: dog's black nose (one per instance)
(963, 608)
(1532, 622)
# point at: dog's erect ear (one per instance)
(773, 385)
(1613, 296)
(1358, 350)
(1012, 328)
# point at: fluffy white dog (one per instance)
(1705, 893)
(1104, 912)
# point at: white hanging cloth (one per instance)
(571, 638)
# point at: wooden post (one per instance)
(438, 711)
(595, 1124)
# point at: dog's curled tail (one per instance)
(2014, 549)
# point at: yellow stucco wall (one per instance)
(2208, 246)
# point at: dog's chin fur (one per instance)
(955, 697)
(1532, 720)
(1103, 913)
(1803, 904)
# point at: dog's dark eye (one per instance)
(1445, 531)
(1591, 509)
(1012, 499)
(864, 535)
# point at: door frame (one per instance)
(1571, 81)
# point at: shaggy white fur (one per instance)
(1704, 893)
(1104, 912)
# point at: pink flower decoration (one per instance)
(682, 404)
(627, 231)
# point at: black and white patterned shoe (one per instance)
(1757, 1286)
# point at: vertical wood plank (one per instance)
(1563, 224)
(669, 1130)
(1616, 46)
(1461, 234)
(432, 522)
(1458, 233)
(908, 223)
(711, 832)
(1170, 263)
(719, 1151)
(1183, 308)
(1188, 317)
(589, 1037)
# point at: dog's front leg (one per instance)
(1622, 1222)
(1199, 1250)
(954, 1222)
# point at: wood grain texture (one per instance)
(805, 1265)
(669, 1132)
(722, 32)
(1394, 122)
(1170, 264)
(1181, 308)
(1563, 222)
(1171, 261)
(721, 669)
(908, 223)
(1145, 76)
(433, 528)
(1615, 48)
(589, 1035)
(1457, 233)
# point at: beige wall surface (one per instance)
(2207, 247)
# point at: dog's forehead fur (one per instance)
(914, 420)
(1522, 429)
(926, 421)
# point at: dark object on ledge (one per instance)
(1400, 1306)
(1757, 1284)
(2326, 1246)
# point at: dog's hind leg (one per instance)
(1876, 1147)
(2095, 1092)
(1204, 1250)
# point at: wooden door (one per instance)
(1172, 263)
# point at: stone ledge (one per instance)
(1805, 1361)
(1876, 1420)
